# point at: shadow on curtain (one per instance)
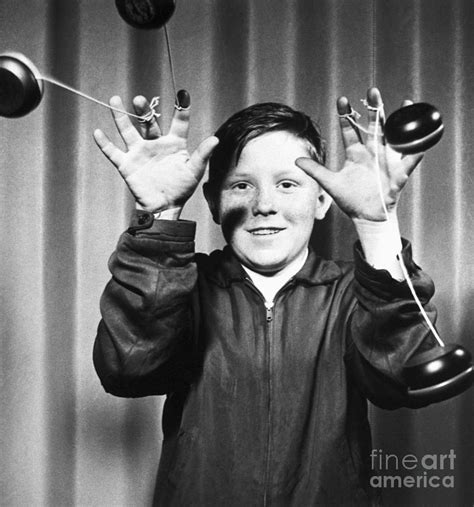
(64, 441)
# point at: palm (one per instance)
(367, 178)
(158, 170)
(159, 173)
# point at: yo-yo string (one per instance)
(155, 101)
(143, 118)
(387, 218)
(377, 164)
(374, 41)
(170, 60)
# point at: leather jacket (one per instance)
(262, 407)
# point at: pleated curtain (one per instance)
(63, 206)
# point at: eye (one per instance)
(241, 185)
(287, 185)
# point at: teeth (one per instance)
(264, 232)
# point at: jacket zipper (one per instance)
(269, 332)
(269, 315)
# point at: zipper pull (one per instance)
(269, 309)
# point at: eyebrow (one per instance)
(290, 172)
(294, 169)
(237, 175)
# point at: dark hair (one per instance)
(252, 122)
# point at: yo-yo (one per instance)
(414, 128)
(438, 374)
(21, 87)
(146, 14)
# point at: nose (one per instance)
(264, 202)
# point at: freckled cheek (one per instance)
(299, 210)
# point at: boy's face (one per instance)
(267, 204)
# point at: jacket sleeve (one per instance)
(386, 329)
(144, 343)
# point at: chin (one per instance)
(266, 260)
(265, 266)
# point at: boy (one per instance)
(266, 353)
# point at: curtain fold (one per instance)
(63, 207)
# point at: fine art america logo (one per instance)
(410, 471)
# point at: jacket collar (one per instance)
(223, 268)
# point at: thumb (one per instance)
(322, 175)
(201, 155)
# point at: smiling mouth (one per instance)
(265, 231)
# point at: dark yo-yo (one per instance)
(439, 373)
(414, 128)
(21, 87)
(146, 14)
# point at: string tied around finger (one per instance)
(378, 108)
(178, 107)
(352, 116)
(152, 114)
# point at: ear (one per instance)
(323, 204)
(211, 203)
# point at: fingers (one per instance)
(125, 127)
(149, 129)
(322, 175)
(108, 148)
(201, 155)
(180, 123)
(376, 113)
(350, 132)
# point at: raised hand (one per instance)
(157, 168)
(357, 188)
